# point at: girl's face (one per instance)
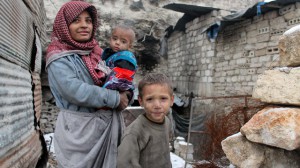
(81, 28)
(156, 100)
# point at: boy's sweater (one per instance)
(145, 144)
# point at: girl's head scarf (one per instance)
(62, 42)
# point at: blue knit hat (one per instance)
(122, 55)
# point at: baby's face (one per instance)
(156, 100)
(120, 40)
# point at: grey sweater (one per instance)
(74, 89)
(84, 137)
(145, 145)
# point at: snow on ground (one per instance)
(177, 162)
(49, 141)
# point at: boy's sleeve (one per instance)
(129, 152)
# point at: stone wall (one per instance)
(191, 58)
(230, 65)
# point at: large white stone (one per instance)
(246, 154)
(289, 44)
(278, 86)
(241, 152)
(275, 126)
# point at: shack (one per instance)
(22, 37)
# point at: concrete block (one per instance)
(294, 21)
(287, 9)
(271, 15)
(260, 52)
(263, 37)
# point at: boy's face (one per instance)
(156, 100)
(120, 40)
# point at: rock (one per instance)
(278, 86)
(246, 154)
(275, 126)
(241, 152)
(148, 19)
(289, 44)
(137, 5)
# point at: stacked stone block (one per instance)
(48, 117)
(271, 138)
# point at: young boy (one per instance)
(145, 142)
(121, 61)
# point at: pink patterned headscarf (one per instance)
(62, 42)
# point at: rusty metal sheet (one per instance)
(37, 93)
(16, 32)
(25, 155)
(16, 106)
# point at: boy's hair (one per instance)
(154, 78)
(128, 29)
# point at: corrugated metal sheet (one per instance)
(190, 13)
(16, 102)
(252, 11)
(16, 32)
(21, 31)
(25, 155)
(37, 9)
(193, 10)
(20, 145)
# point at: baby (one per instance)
(121, 61)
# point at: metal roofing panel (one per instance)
(16, 32)
(190, 13)
(189, 9)
(252, 11)
(16, 102)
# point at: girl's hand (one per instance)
(123, 101)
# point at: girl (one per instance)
(84, 136)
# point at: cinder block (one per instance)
(186, 147)
(286, 9)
